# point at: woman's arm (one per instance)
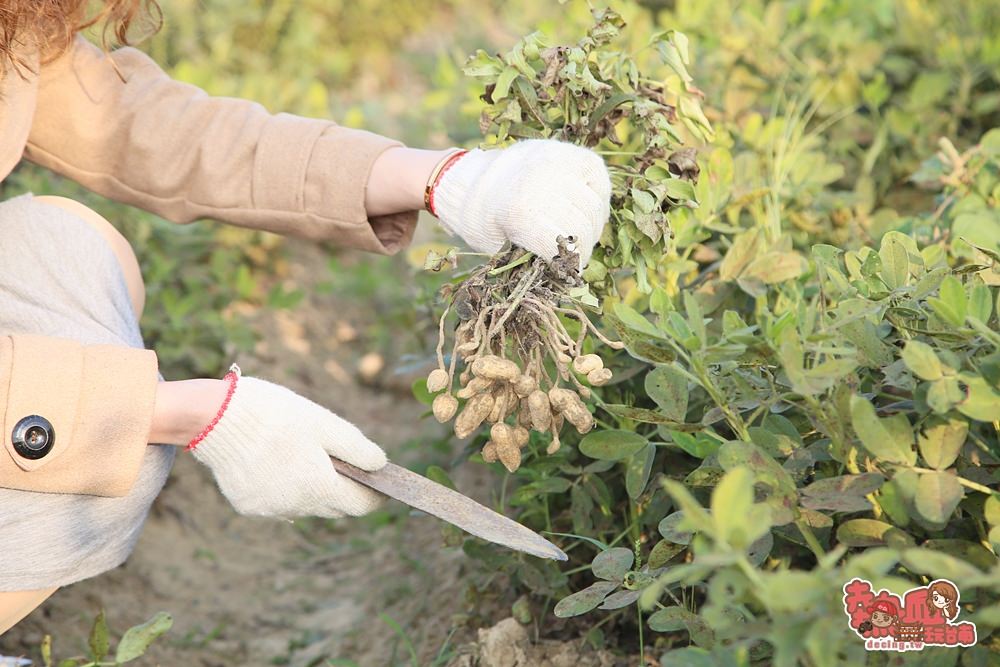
(75, 418)
(183, 408)
(120, 126)
(398, 178)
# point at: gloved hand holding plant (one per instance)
(527, 194)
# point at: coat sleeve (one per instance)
(117, 124)
(90, 408)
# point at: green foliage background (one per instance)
(812, 384)
(810, 389)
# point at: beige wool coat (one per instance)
(117, 124)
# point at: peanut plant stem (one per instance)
(810, 538)
(642, 644)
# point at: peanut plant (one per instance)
(516, 303)
(133, 644)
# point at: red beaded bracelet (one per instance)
(442, 167)
(230, 377)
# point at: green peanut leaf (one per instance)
(944, 394)
(620, 599)
(845, 493)
(745, 248)
(698, 445)
(950, 305)
(689, 656)
(672, 619)
(98, 640)
(668, 387)
(991, 510)
(895, 261)
(137, 639)
(937, 564)
(669, 528)
(613, 564)
(870, 533)
(438, 474)
(941, 441)
(885, 438)
(583, 601)
(737, 519)
(982, 402)
(632, 319)
(791, 590)
(504, 82)
(938, 494)
(920, 359)
(611, 445)
(981, 303)
(662, 553)
(638, 467)
(679, 190)
(970, 552)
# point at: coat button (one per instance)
(33, 437)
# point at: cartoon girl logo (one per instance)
(942, 596)
(923, 616)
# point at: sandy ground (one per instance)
(246, 591)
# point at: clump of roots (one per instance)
(517, 353)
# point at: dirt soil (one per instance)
(508, 644)
(252, 591)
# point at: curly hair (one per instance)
(947, 590)
(50, 25)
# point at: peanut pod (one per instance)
(524, 385)
(495, 368)
(510, 403)
(568, 403)
(510, 457)
(540, 410)
(444, 407)
(508, 452)
(524, 414)
(476, 386)
(599, 377)
(587, 363)
(473, 414)
(557, 422)
(499, 405)
(466, 348)
(437, 380)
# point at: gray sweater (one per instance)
(59, 277)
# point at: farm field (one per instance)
(778, 441)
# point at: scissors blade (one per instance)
(451, 506)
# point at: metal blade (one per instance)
(451, 506)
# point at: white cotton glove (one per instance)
(270, 455)
(527, 194)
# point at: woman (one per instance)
(942, 596)
(81, 400)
